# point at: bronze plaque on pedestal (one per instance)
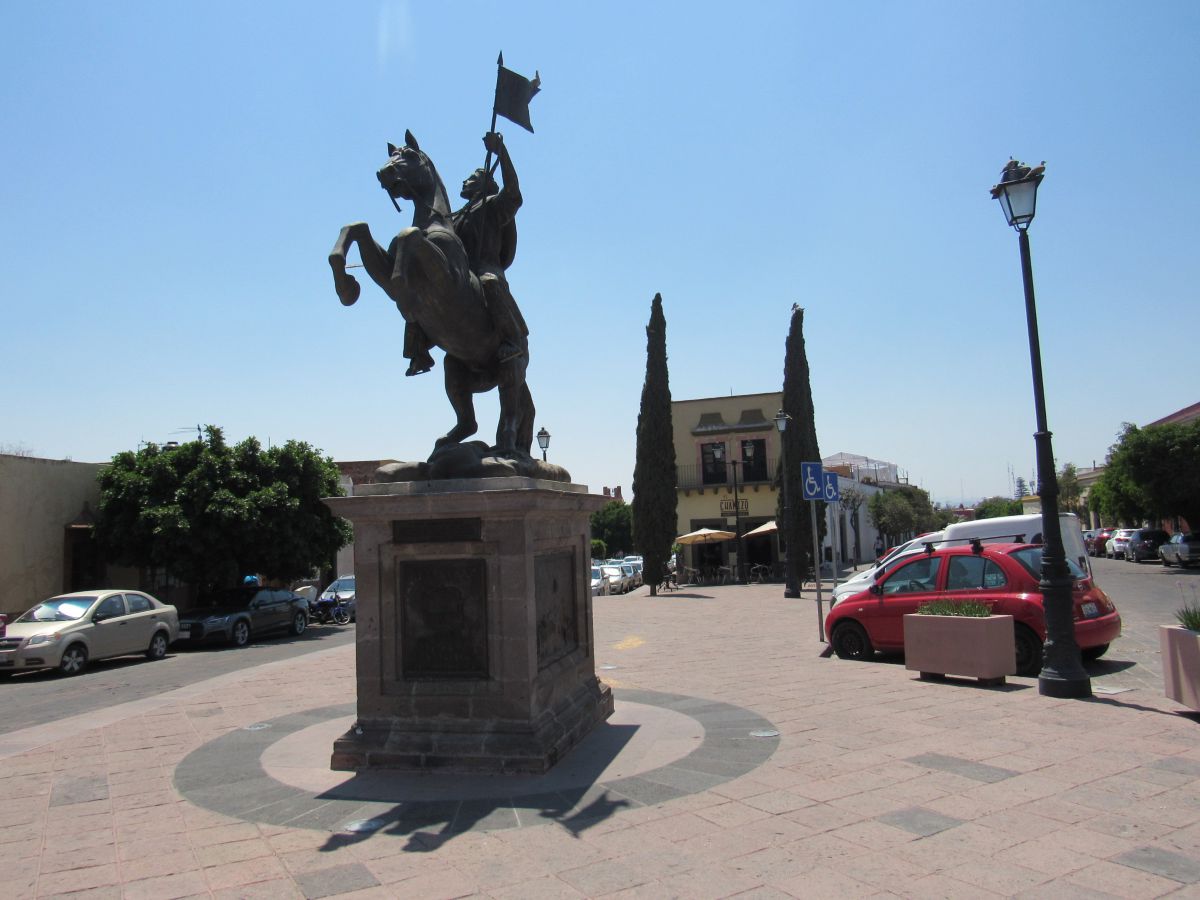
(443, 618)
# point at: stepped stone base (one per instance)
(475, 648)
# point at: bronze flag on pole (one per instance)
(513, 93)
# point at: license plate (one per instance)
(1090, 610)
(184, 630)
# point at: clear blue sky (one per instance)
(175, 175)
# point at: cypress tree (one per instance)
(799, 445)
(654, 498)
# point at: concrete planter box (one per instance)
(980, 648)
(1181, 664)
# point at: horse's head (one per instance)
(410, 174)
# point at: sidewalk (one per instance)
(877, 784)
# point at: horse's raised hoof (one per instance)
(347, 289)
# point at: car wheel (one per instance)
(1090, 653)
(240, 635)
(341, 616)
(158, 646)
(74, 659)
(1029, 651)
(299, 623)
(850, 641)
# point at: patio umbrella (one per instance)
(764, 529)
(705, 536)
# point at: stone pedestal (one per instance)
(475, 648)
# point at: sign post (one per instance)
(812, 488)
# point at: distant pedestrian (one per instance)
(878, 546)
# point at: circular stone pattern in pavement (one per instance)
(656, 747)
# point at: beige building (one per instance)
(46, 517)
(715, 439)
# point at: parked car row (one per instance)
(68, 631)
(616, 576)
(1140, 544)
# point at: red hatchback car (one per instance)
(1004, 576)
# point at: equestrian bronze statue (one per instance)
(445, 274)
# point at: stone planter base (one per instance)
(475, 649)
(980, 648)
(1181, 664)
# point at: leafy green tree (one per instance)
(994, 507)
(1156, 470)
(1069, 491)
(210, 513)
(799, 445)
(892, 515)
(599, 549)
(906, 510)
(1022, 489)
(654, 497)
(613, 524)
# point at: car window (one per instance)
(1031, 559)
(967, 573)
(138, 603)
(110, 607)
(918, 575)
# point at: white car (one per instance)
(617, 581)
(1115, 548)
(66, 631)
(599, 582)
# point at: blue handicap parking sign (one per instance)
(812, 481)
(832, 493)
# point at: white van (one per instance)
(1003, 529)
(1022, 530)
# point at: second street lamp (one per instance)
(1062, 673)
(543, 439)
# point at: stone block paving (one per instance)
(881, 785)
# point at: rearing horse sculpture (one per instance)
(425, 270)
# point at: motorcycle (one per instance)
(324, 610)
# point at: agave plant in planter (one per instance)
(1180, 646)
(959, 638)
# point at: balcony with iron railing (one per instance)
(749, 473)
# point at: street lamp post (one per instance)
(719, 456)
(1062, 672)
(789, 573)
(543, 439)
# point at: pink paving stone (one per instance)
(243, 872)
(273, 889)
(222, 834)
(706, 882)
(232, 851)
(78, 879)
(824, 881)
(167, 887)
(679, 828)
(945, 888)
(437, 886)
(310, 858)
(1044, 855)
(78, 858)
(159, 864)
(996, 875)
(545, 888)
(1122, 881)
